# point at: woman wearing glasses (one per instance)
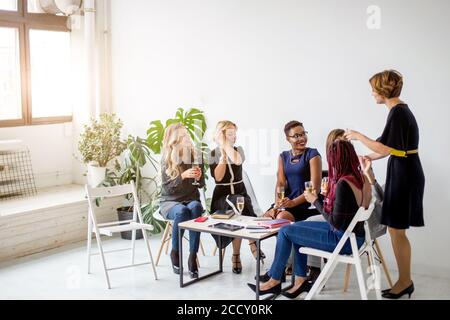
(296, 167)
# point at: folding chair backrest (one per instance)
(108, 192)
(203, 199)
(251, 193)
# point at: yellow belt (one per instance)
(403, 154)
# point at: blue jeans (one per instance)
(181, 213)
(312, 234)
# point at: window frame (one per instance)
(24, 21)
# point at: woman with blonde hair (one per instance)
(182, 176)
(226, 169)
(405, 180)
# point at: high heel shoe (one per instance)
(274, 290)
(174, 257)
(265, 277)
(409, 291)
(192, 266)
(305, 287)
(254, 249)
(237, 266)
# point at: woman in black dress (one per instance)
(405, 180)
(226, 169)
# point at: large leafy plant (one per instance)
(101, 140)
(194, 121)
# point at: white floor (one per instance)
(61, 274)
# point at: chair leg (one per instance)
(169, 237)
(201, 248)
(149, 251)
(102, 255)
(383, 263)
(375, 271)
(348, 271)
(358, 267)
(89, 244)
(133, 245)
(214, 251)
(322, 279)
(163, 242)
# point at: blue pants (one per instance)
(312, 234)
(181, 213)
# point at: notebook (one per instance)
(222, 214)
(273, 224)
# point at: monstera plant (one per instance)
(194, 121)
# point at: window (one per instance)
(35, 65)
(8, 5)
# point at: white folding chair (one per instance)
(167, 235)
(335, 257)
(110, 228)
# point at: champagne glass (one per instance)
(280, 195)
(240, 202)
(324, 188)
(310, 188)
(196, 166)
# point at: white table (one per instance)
(205, 227)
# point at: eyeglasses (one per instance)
(299, 135)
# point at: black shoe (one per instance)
(409, 291)
(237, 266)
(313, 274)
(192, 266)
(175, 261)
(265, 277)
(305, 287)
(274, 290)
(386, 290)
(254, 251)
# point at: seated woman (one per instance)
(226, 169)
(348, 191)
(295, 167)
(180, 199)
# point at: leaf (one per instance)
(155, 135)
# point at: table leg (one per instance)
(258, 266)
(180, 253)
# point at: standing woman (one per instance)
(226, 169)
(180, 199)
(405, 180)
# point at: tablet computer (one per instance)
(226, 226)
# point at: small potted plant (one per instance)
(99, 144)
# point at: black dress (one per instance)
(405, 180)
(233, 174)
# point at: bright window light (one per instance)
(51, 87)
(10, 89)
(8, 5)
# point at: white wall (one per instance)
(262, 63)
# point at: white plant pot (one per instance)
(96, 175)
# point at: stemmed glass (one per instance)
(196, 166)
(310, 188)
(324, 188)
(280, 195)
(240, 202)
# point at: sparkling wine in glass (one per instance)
(196, 166)
(280, 195)
(240, 204)
(310, 188)
(324, 188)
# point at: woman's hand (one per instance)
(199, 173)
(286, 203)
(311, 197)
(220, 140)
(190, 174)
(352, 135)
(366, 166)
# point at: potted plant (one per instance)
(136, 157)
(99, 144)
